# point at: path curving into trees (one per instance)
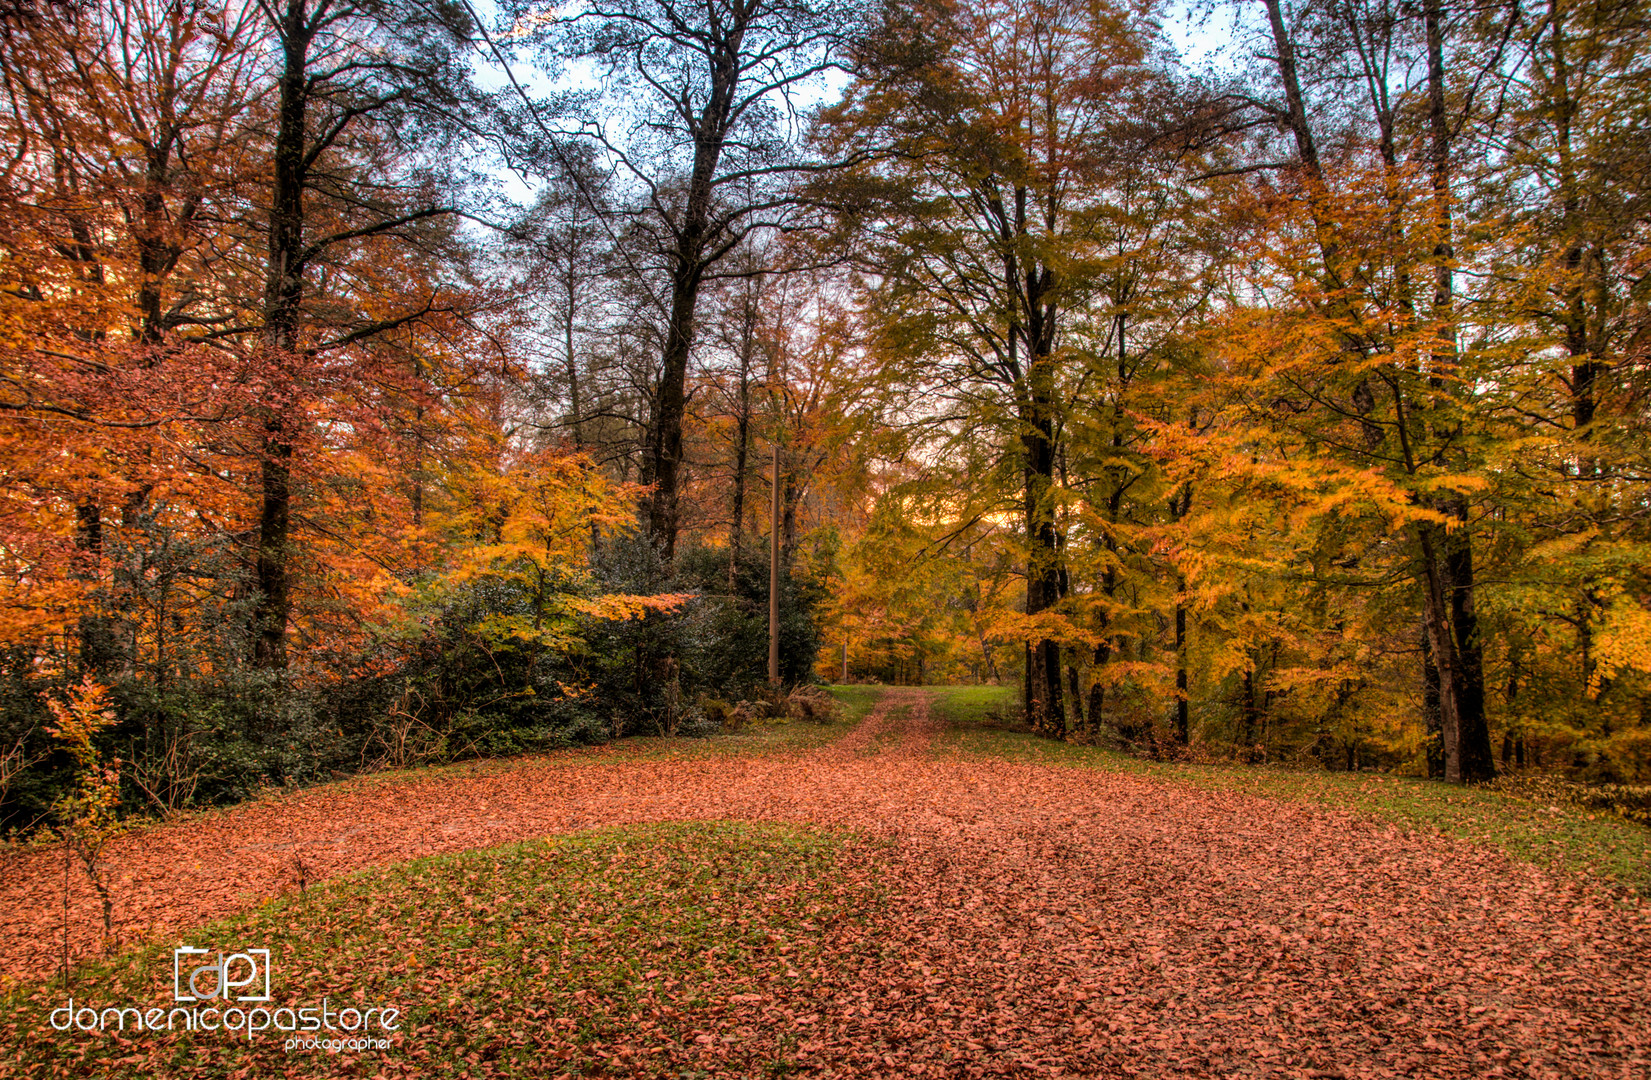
(1050, 921)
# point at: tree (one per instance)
(990, 125)
(706, 96)
(564, 242)
(126, 119)
(1388, 370)
(1572, 192)
(355, 80)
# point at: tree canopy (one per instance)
(384, 382)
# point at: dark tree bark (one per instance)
(1477, 763)
(283, 301)
(570, 310)
(1097, 692)
(1179, 507)
(327, 94)
(1043, 673)
(1443, 560)
(1035, 324)
(706, 75)
(1431, 711)
(1580, 314)
(1469, 744)
(742, 449)
(1251, 711)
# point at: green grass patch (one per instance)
(1573, 839)
(857, 701)
(985, 707)
(764, 737)
(583, 955)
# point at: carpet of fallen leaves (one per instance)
(1032, 921)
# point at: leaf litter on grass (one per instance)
(978, 918)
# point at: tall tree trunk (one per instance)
(1097, 692)
(663, 465)
(1047, 710)
(157, 253)
(1043, 674)
(736, 525)
(1465, 661)
(1582, 346)
(1183, 732)
(1477, 762)
(1114, 507)
(1076, 690)
(790, 499)
(1432, 713)
(570, 296)
(1251, 711)
(283, 296)
(416, 473)
(742, 443)
(774, 576)
(1442, 644)
(1295, 105)
(1179, 507)
(100, 650)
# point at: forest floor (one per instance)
(863, 900)
(1537, 828)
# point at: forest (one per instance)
(387, 382)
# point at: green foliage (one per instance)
(737, 621)
(513, 658)
(477, 684)
(474, 685)
(856, 701)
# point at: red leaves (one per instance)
(1013, 920)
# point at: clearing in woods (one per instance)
(869, 906)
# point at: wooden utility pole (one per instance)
(774, 576)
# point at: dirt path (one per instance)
(1054, 921)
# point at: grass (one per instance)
(978, 706)
(1596, 844)
(675, 949)
(574, 955)
(857, 701)
(768, 737)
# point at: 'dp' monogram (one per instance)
(248, 971)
